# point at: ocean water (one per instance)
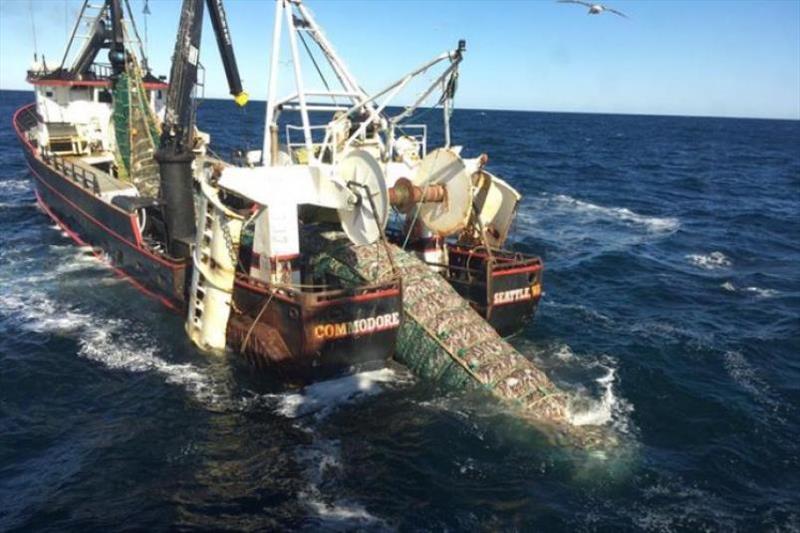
(671, 312)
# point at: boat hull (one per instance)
(295, 335)
(111, 232)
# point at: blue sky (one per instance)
(694, 57)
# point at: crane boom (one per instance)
(222, 32)
(178, 119)
(176, 154)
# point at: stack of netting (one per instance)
(442, 338)
(136, 132)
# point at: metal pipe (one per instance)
(404, 195)
(410, 109)
(272, 85)
(74, 31)
(298, 75)
(339, 67)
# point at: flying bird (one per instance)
(594, 9)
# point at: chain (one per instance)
(233, 250)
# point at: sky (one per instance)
(733, 58)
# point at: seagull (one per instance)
(594, 9)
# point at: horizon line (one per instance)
(467, 108)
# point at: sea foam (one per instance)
(711, 261)
(323, 397)
(654, 224)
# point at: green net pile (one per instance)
(136, 132)
(442, 338)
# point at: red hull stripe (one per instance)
(357, 298)
(105, 228)
(388, 293)
(89, 83)
(520, 270)
(134, 226)
(74, 236)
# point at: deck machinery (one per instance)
(286, 255)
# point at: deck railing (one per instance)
(77, 173)
(26, 120)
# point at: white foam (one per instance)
(322, 460)
(341, 512)
(321, 398)
(761, 293)
(114, 342)
(655, 224)
(15, 185)
(749, 379)
(599, 412)
(711, 261)
(103, 343)
(565, 353)
(41, 314)
(758, 292)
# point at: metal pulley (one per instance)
(444, 169)
(366, 213)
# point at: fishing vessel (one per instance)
(286, 255)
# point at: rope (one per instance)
(417, 210)
(453, 356)
(253, 325)
(316, 66)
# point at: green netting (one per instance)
(442, 338)
(136, 131)
(121, 120)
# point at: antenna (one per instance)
(33, 25)
(146, 13)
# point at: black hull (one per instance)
(112, 232)
(293, 339)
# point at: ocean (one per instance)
(671, 311)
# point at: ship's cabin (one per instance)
(76, 114)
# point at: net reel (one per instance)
(444, 169)
(365, 216)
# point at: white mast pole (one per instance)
(339, 67)
(446, 111)
(266, 150)
(298, 76)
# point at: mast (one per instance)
(116, 52)
(176, 153)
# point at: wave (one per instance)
(15, 185)
(322, 461)
(322, 457)
(599, 412)
(565, 353)
(758, 292)
(761, 293)
(654, 224)
(750, 380)
(116, 343)
(711, 261)
(105, 345)
(322, 398)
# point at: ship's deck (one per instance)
(104, 181)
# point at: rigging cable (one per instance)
(316, 66)
(136, 33)
(74, 31)
(33, 25)
(146, 13)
